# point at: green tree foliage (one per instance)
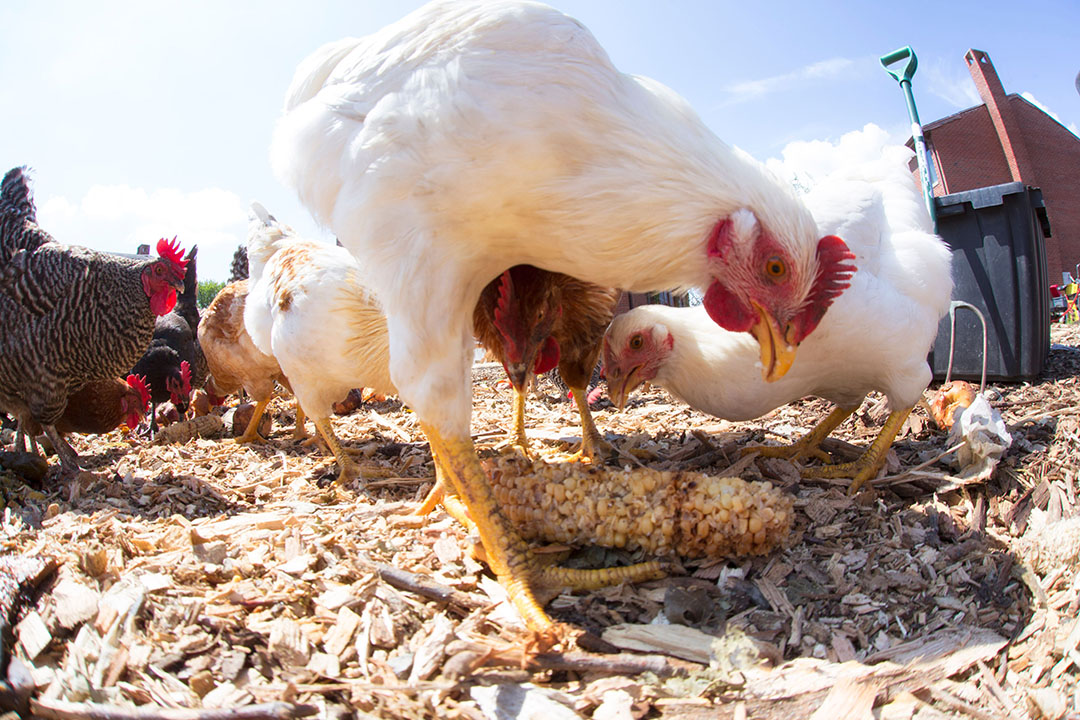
(208, 290)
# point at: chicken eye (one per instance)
(775, 268)
(158, 270)
(636, 341)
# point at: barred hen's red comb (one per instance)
(139, 383)
(170, 250)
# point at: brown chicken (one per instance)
(234, 362)
(100, 406)
(71, 315)
(531, 321)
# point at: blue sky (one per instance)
(150, 119)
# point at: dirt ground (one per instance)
(208, 575)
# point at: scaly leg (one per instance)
(299, 431)
(69, 459)
(507, 553)
(520, 440)
(868, 464)
(348, 468)
(809, 444)
(251, 433)
(592, 442)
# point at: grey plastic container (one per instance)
(997, 235)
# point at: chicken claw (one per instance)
(593, 445)
(870, 462)
(251, 433)
(508, 555)
(808, 445)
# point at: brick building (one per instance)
(1008, 139)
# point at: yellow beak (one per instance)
(776, 355)
(619, 388)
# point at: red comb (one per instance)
(185, 376)
(834, 276)
(170, 250)
(139, 383)
(505, 322)
(502, 306)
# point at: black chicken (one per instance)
(174, 364)
(69, 314)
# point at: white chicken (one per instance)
(470, 137)
(876, 335)
(308, 308)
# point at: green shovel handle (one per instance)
(896, 56)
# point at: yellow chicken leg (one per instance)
(348, 468)
(592, 442)
(520, 440)
(299, 431)
(809, 444)
(251, 433)
(868, 464)
(507, 553)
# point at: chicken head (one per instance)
(163, 279)
(760, 287)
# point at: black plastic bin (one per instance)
(997, 235)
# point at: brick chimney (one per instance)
(1008, 130)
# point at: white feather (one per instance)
(308, 307)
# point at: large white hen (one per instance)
(308, 308)
(876, 335)
(470, 137)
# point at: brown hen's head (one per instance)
(161, 280)
(524, 313)
(136, 401)
(767, 288)
(633, 355)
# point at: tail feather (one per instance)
(16, 200)
(18, 216)
(264, 234)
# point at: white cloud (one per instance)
(753, 89)
(952, 83)
(119, 218)
(805, 162)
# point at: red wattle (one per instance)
(162, 302)
(727, 310)
(548, 357)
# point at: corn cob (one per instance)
(693, 515)
(181, 432)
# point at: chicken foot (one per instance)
(809, 445)
(348, 468)
(299, 431)
(508, 555)
(592, 442)
(251, 432)
(870, 462)
(69, 459)
(519, 439)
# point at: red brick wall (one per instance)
(967, 155)
(1055, 158)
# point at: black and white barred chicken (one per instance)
(71, 315)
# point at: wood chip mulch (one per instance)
(204, 576)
